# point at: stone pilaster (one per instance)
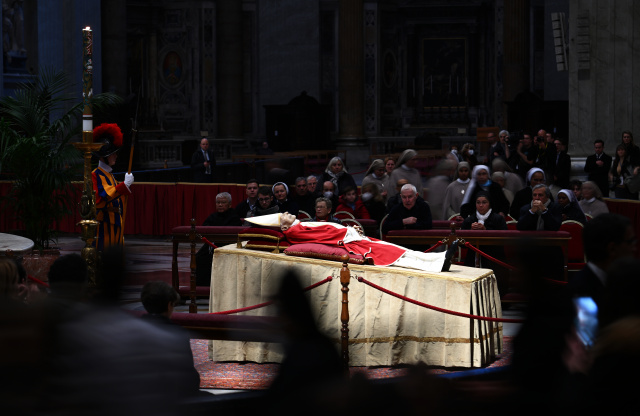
(515, 51)
(351, 73)
(230, 69)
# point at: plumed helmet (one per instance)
(110, 135)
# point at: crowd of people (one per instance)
(88, 357)
(508, 172)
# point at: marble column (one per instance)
(604, 91)
(230, 69)
(351, 73)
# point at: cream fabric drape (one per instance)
(383, 330)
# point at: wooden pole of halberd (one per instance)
(345, 276)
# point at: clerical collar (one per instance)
(590, 200)
(104, 167)
(465, 181)
(405, 167)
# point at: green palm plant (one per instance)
(36, 132)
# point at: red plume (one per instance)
(108, 131)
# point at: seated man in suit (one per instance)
(250, 203)
(304, 198)
(543, 215)
(224, 216)
(266, 205)
(411, 214)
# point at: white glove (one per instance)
(128, 179)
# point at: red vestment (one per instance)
(382, 253)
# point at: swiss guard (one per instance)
(109, 193)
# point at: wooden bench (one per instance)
(192, 234)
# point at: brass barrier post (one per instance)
(88, 223)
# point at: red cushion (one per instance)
(324, 252)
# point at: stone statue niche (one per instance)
(15, 54)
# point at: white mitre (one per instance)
(270, 220)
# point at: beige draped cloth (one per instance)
(383, 330)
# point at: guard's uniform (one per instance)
(108, 208)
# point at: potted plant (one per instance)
(36, 132)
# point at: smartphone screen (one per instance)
(586, 322)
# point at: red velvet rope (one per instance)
(438, 244)
(435, 308)
(357, 173)
(508, 266)
(262, 305)
(37, 281)
(208, 242)
(555, 282)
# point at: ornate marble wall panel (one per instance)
(371, 69)
(288, 52)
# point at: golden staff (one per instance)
(89, 225)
